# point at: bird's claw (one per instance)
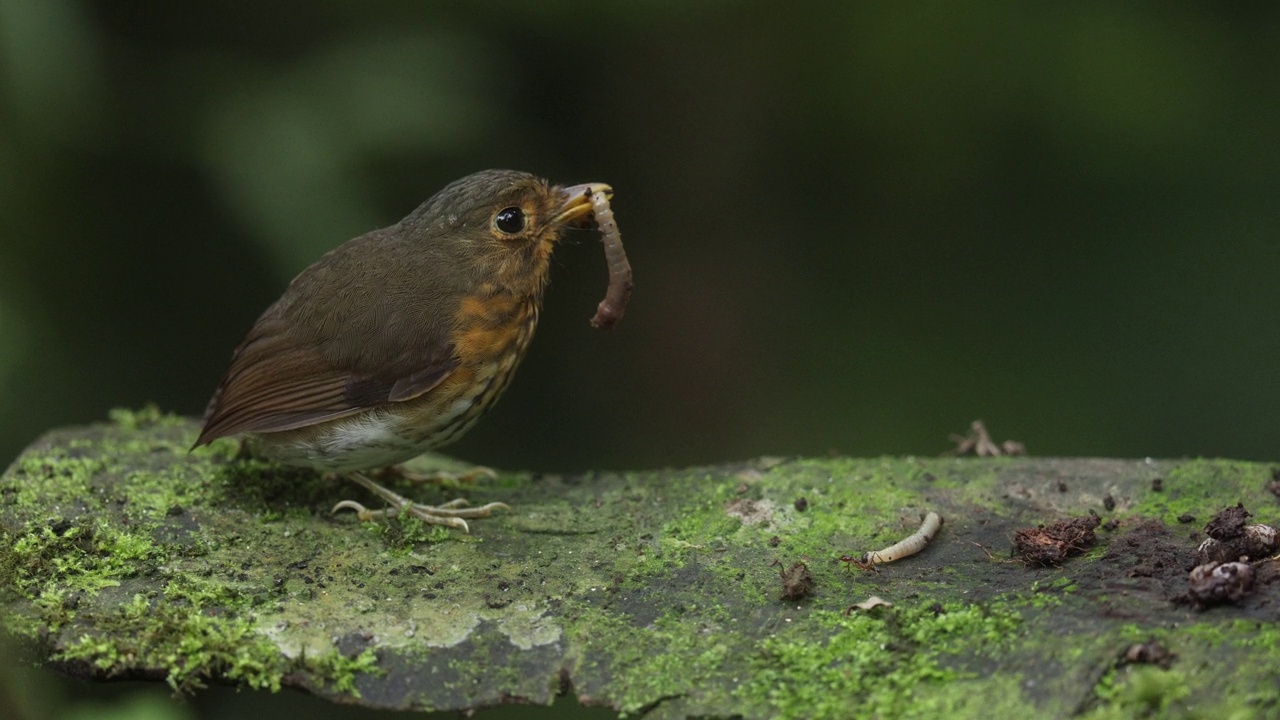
(449, 514)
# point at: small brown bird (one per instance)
(398, 341)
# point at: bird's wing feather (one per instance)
(289, 373)
(284, 389)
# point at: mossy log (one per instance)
(657, 593)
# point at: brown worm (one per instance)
(614, 304)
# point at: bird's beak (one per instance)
(577, 203)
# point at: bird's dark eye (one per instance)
(509, 220)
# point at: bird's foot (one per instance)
(449, 514)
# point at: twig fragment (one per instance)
(978, 442)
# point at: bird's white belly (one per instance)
(360, 442)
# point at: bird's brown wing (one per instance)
(293, 370)
(274, 384)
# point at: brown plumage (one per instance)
(397, 341)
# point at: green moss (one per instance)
(1240, 633)
(62, 476)
(145, 417)
(55, 611)
(850, 506)
(199, 593)
(72, 558)
(998, 696)
(665, 659)
(198, 624)
(341, 671)
(194, 647)
(203, 641)
(648, 561)
(1145, 690)
(1200, 488)
(404, 535)
(699, 527)
(871, 664)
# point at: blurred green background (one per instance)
(855, 227)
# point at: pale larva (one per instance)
(910, 546)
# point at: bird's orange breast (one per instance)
(490, 338)
(489, 327)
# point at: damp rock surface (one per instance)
(123, 555)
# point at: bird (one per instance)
(398, 341)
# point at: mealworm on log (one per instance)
(910, 546)
(614, 304)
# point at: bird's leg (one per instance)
(449, 514)
(245, 451)
(437, 477)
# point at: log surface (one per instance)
(657, 593)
